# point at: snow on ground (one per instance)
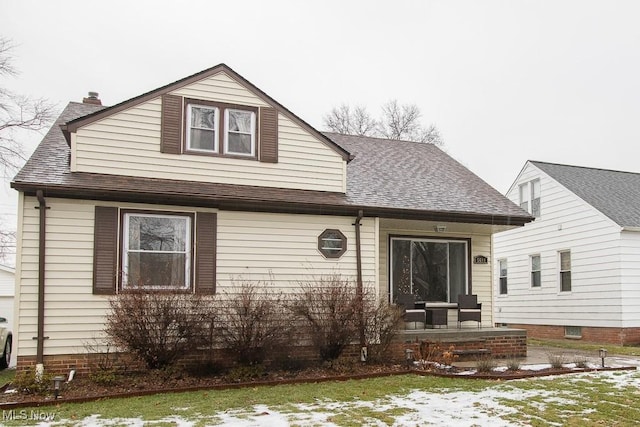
(438, 408)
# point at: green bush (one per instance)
(27, 382)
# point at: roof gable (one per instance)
(74, 124)
(614, 193)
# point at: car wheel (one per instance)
(6, 355)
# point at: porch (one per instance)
(466, 343)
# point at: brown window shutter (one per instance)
(171, 124)
(268, 135)
(206, 229)
(105, 250)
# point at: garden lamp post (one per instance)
(603, 354)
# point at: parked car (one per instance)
(6, 340)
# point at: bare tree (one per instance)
(399, 122)
(356, 121)
(17, 112)
(7, 243)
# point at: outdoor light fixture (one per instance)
(57, 382)
(440, 228)
(603, 354)
(408, 355)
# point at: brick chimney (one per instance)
(92, 98)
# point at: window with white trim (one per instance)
(565, 270)
(529, 193)
(535, 271)
(240, 135)
(156, 251)
(433, 270)
(221, 129)
(202, 133)
(502, 276)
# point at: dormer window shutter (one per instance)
(171, 124)
(268, 135)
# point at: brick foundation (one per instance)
(616, 336)
(498, 343)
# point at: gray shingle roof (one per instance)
(414, 175)
(614, 193)
(395, 179)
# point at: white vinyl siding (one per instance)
(279, 249)
(567, 223)
(128, 143)
(630, 277)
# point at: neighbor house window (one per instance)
(202, 134)
(240, 136)
(565, 271)
(332, 243)
(535, 271)
(502, 266)
(529, 193)
(156, 251)
(429, 269)
(573, 331)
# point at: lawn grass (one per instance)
(578, 345)
(7, 375)
(582, 400)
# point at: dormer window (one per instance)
(240, 132)
(220, 129)
(203, 128)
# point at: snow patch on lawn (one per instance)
(416, 407)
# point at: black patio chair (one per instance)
(469, 309)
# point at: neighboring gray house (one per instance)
(575, 271)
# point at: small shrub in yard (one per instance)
(382, 321)
(485, 364)
(159, 327)
(330, 310)
(513, 364)
(27, 382)
(253, 323)
(580, 362)
(432, 353)
(556, 360)
(245, 373)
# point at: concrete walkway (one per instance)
(537, 355)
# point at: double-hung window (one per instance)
(202, 134)
(565, 271)
(156, 251)
(502, 267)
(535, 271)
(430, 269)
(220, 129)
(240, 136)
(529, 193)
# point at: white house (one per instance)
(245, 188)
(7, 290)
(574, 272)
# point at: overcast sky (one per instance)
(504, 81)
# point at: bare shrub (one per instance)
(158, 327)
(556, 360)
(330, 309)
(253, 323)
(382, 321)
(513, 364)
(432, 353)
(486, 364)
(580, 362)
